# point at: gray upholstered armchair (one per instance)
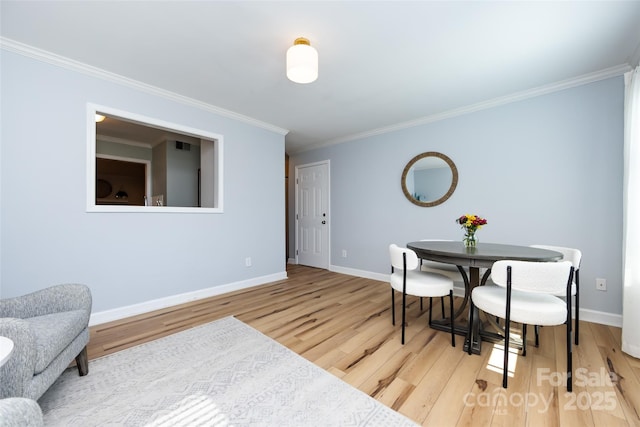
(20, 412)
(49, 328)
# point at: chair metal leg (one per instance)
(505, 366)
(442, 306)
(393, 307)
(569, 340)
(507, 328)
(404, 311)
(430, 310)
(453, 333)
(421, 308)
(569, 355)
(537, 331)
(577, 322)
(569, 358)
(524, 339)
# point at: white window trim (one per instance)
(92, 109)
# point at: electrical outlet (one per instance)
(247, 261)
(601, 284)
(344, 253)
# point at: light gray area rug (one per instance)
(224, 373)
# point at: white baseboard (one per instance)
(601, 317)
(157, 304)
(458, 291)
(360, 273)
(587, 315)
(97, 318)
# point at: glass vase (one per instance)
(470, 240)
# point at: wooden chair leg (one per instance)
(82, 361)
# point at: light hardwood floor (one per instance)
(343, 324)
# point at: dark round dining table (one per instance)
(483, 255)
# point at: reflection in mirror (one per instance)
(429, 179)
(138, 163)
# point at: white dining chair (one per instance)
(575, 257)
(406, 277)
(525, 292)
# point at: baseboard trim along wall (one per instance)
(600, 317)
(100, 317)
(157, 304)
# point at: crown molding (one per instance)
(70, 64)
(54, 59)
(130, 142)
(485, 105)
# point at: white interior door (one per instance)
(312, 215)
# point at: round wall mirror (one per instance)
(429, 179)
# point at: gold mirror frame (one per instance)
(452, 187)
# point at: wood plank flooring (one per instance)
(343, 324)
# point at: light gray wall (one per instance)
(47, 236)
(159, 170)
(182, 176)
(547, 170)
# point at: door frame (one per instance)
(329, 218)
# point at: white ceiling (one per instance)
(382, 63)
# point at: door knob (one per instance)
(324, 222)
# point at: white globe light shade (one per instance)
(302, 62)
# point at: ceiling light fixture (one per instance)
(302, 62)
(99, 118)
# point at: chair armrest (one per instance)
(55, 299)
(19, 369)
